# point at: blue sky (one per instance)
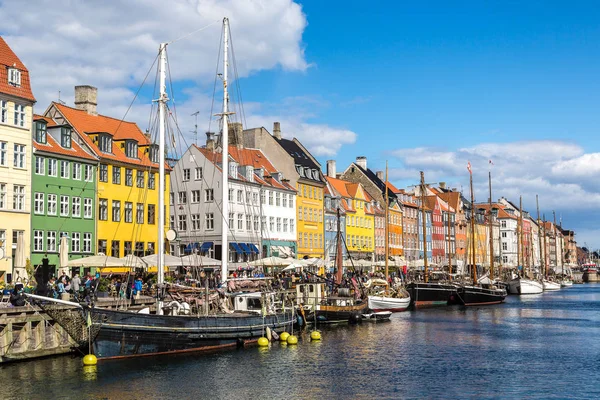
(425, 85)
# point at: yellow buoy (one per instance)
(292, 339)
(283, 337)
(263, 341)
(90, 359)
(315, 335)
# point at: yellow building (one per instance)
(16, 116)
(360, 217)
(127, 192)
(309, 206)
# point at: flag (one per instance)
(491, 162)
(469, 166)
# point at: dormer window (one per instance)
(131, 148)
(154, 153)
(105, 143)
(14, 77)
(65, 137)
(40, 132)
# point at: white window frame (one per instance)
(209, 195)
(198, 174)
(38, 203)
(52, 167)
(186, 175)
(52, 203)
(87, 242)
(196, 223)
(76, 207)
(3, 196)
(88, 173)
(209, 221)
(75, 242)
(38, 240)
(19, 115)
(40, 165)
(76, 171)
(88, 207)
(51, 241)
(64, 205)
(14, 77)
(195, 196)
(4, 111)
(20, 152)
(116, 211)
(19, 197)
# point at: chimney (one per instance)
(86, 99)
(236, 134)
(442, 185)
(331, 168)
(361, 161)
(379, 174)
(210, 141)
(277, 130)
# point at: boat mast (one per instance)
(555, 241)
(225, 158)
(387, 234)
(491, 227)
(520, 237)
(473, 265)
(423, 216)
(162, 104)
(537, 206)
(449, 243)
(339, 253)
(544, 252)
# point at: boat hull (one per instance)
(590, 276)
(522, 286)
(333, 314)
(425, 295)
(393, 304)
(127, 334)
(478, 296)
(549, 285)
(566, 283)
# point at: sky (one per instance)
(423, 85)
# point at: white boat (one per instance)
(551, 285)
(393, 304)
(381, 316)
(522, 286)
(566, 283)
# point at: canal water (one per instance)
(541, 346)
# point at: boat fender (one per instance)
(300, 320)
(275, 335)
(301, 313)
(355, 318)
(268, 330)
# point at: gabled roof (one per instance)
(502, 214)
(52, 146)
(301, 156)
(372, 176)
(85, 124)
(452, 198)
(8, 59)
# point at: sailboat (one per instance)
(396, 301)
(478, 294)
(425, 294)
(521, 285)
(118, 334)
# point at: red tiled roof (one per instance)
(52, 146)
(85, 124)
(9, 59)
(340, 186)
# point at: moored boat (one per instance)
(386, 303)
(523, 286)
(431, 294)
(470, 295)
(550, 285)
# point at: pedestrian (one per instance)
(75, 286)
(51, 288)
(138, 287)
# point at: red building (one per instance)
(437, 235)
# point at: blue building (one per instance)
(427, 233)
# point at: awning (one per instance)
(253, 248)
(190, 247)
(236, 248)
(206, 246)
(245, 248)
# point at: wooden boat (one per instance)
(550, 285)
(386, 299)
(319, 308)
(381, 316)
(432, 294)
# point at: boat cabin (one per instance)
(310, 293)
(250, 302)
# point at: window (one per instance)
(240, 196)
(240, 222)
(271, 198)
(504, 246)
(151, 213)
(284, 200)
(102, 246)
(171, 222)
(291, 204)
(19, 160)
(2, 195)
(503, 234)
(230, 195)
(198, 173)
(116, 178)
(285, 224)
(277, 199)
(262, 198)
(52, 199)
(3, 150)
(19, 115)
(131, 149)
(272, 224)
(263, 223)
(172, 198)
(254, 198)
(3, 111)
(128, 212)
(38, 203)
(103, 173)
(278, 224)
(116, 211)
(154, 153)
(256, 222)
(139, 213)
(51, 241)
(38, 241)
(19, 197)
(300, 211)
(186, 174)
(139, 178)
(151, 180)
(87, 242)
(105, 143)
(103, 209)
(65, 137)
(209, 221)
(503, 224)
(76, 206)
(65, 169)
(64, 206)
(128, 177)
(14, 77)
(87, 173)
(75, 242)
(115, 249)
(231, 217)
(248, 222)
(208, 195)
(182, 197)
(139, 249)
(291, 225)
(195, 196)
(87, 208)
(196, 222)
(182, 222)
(40, 132)
(77, 171)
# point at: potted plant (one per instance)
(102, 289)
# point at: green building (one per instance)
(63, 195)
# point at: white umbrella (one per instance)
(272, 262)
(19, 261)
(293, 266)
(170, 261)
(196, 260)
(133, 261)
(63, 254)
(96, 261)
